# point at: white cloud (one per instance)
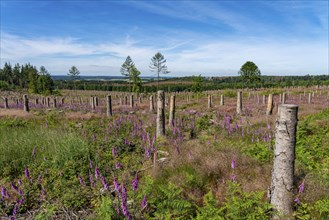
(193, 56)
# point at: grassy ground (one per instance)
(73, 161)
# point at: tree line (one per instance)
(26, 76)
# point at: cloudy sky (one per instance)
(211, 38)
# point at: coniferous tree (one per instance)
(158, 65)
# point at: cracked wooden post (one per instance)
(264, 99)
(5, 99)
(284, 161)
(283, 98)
(172, 110)
(126, 100)
(26, 103)
(92, 102)
(239, 103)
(131, 101)
(55, 102)
(209, 101)
(108, 106)
(309, 98)
(160, 120)
(151, 104)
(222, 99)
(48, 102)
(270, 105)
(96, 101)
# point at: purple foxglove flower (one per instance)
(297, 200)
(27, 172)
(114, 153)
(144, 203)
(90, 164)
(301, 187)
(91, 180)
(96, 172)
(135, 183)
(116, 185)
(118, 166)
(233, 164)
(268, 126)
(20, 192)
(80, 180)
(106, 187)
(19, 182)
(14, 187)
(4, 193)
(15, 210)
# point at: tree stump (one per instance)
(160, 120)
(239, 103)
(108, 106)
(172, 110)
(284, 160)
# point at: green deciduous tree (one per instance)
(197, 83)
(250, 73)
(158, 65)
(125, 69)
(135, 79)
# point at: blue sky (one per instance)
(211, 38)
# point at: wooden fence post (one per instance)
(151, 104)
(239, 103)
(222, 99)
(26, 103)
(269, 105)
(172, 110)
(160, 120)
(108, 106)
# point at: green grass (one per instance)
(53, 144)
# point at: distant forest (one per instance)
(28, 77)
(180, 84)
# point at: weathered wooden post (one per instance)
(284, 161)
(92, 102)
(222, 99)
(270, 105)
(160, 120)
(26, 103)
(62, 101)
(152, 104)
(264, 99)
(131, 101)
(5, 99)
(126, 100)
(108, 106)
(96, 101)
(48, 102)
(209, 101)
(309, 98)
(36, 101)
(54, 102)
(239, 103)
(172, 110)
(283, 98)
